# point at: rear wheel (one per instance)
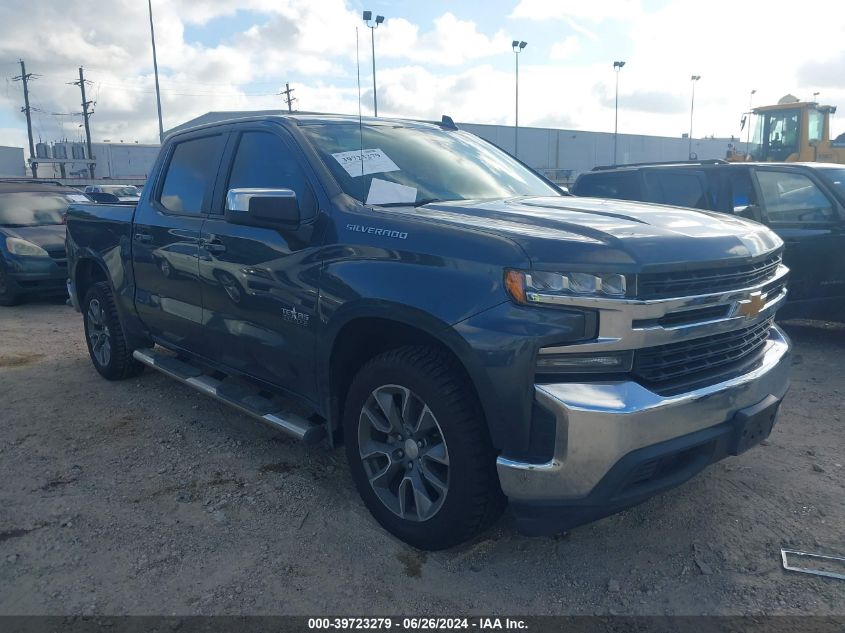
(419, 450)
(8, 295)
(107, 347)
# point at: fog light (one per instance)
(563, 363)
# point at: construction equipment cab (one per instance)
(791, 131)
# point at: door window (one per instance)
(793, 197)
(781, 134)
(743, 199)
(264, 161)
(621, 186)
(677, 188)
(190, 174)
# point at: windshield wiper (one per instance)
(418, 203)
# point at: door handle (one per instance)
(213, 246)
(146, 238)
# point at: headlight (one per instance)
(542, 287)
(17, 246)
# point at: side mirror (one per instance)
(263, 207)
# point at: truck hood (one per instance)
(610, 234)
(50, 237)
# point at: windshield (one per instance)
(34, 208)
(121, 191)
(414, 165)
(836, 177)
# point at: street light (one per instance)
(694, 78)
(617, 66)
(748, 132)
(815, 97)
(517, 49)
(368, 17)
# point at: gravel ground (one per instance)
(145, 497)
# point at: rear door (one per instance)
(797, 206)
(166, 236)
(260, 285)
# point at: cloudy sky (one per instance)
(432, 57)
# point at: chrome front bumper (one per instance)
(598, 423)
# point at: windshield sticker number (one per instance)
(365, 162)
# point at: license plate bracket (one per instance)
(753, 424)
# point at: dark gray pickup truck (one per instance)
(470, 333)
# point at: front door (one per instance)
(260, 285)
(165, 239)
(807, 218)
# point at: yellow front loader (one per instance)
(791, 131)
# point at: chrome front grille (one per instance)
(695, 282)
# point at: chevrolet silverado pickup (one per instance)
(472, 335)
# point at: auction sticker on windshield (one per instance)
(363, 162)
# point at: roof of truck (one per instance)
(300, 118)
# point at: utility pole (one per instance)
(85, 116)
(288, 99)
(24, 79)
(155, 71)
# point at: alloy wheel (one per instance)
(98, 333)
(404, 453)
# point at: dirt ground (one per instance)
(145, 497)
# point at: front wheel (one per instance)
(418, 448)
(107, 347)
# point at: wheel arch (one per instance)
(87, 272)
(363, 336)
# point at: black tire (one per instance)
(473, 498)
(102, 328)
(8, 295)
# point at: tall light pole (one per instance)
(368, 17)
(617, 66)
(815, 97)
(748, 131)
(517, 49)
(694, 78)
(155, 70)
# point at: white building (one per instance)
(12, 164)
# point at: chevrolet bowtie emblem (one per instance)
(752, 306)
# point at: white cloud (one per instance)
(596, 12)
(452, 42)
(565, 49)
(448, 66)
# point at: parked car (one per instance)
(804, 203)
(470, 333)
(124, 193)
(32, 238)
